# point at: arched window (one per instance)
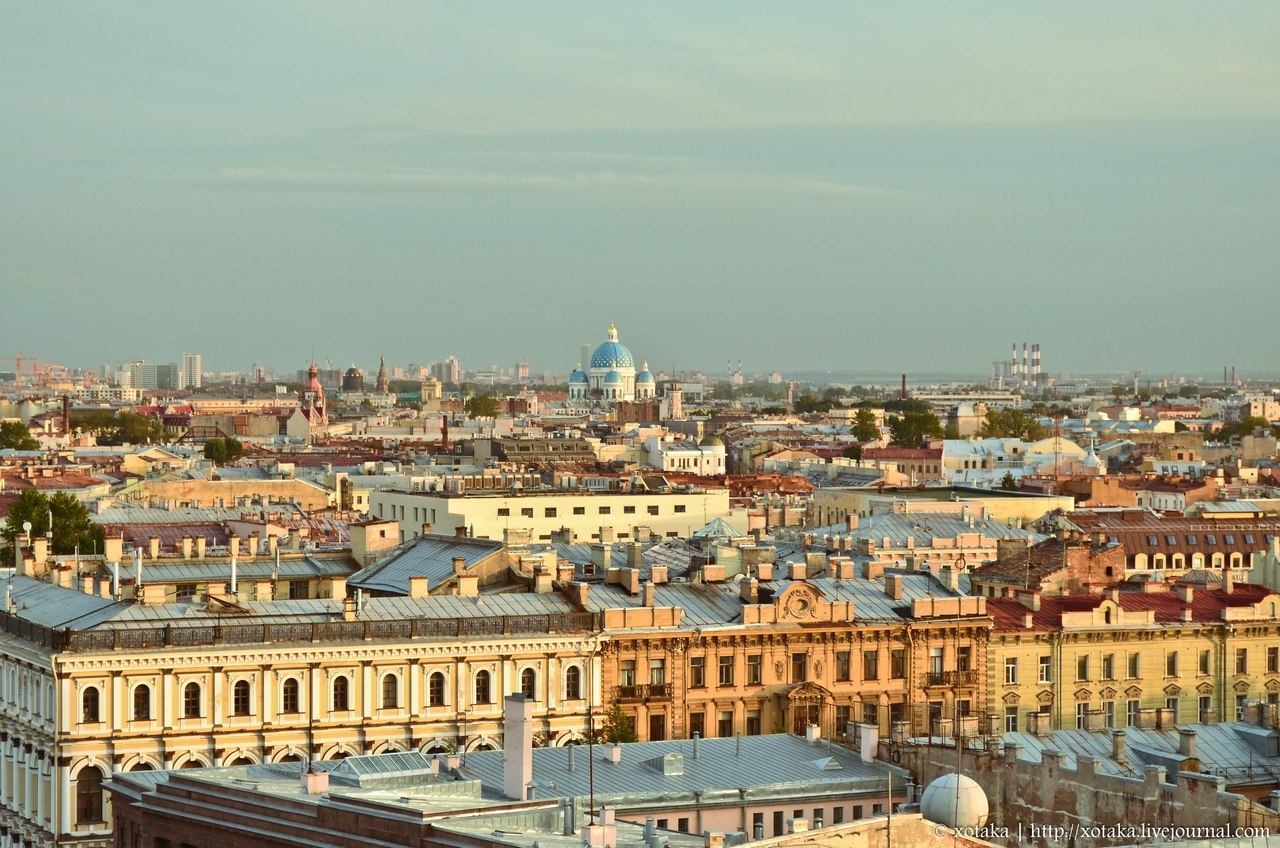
(141, 702)
(482, 687)
(140, 766)
(89, 796)
(191, 700)
(390, 692)
(529, 683)
(89, 706)
(289, 696)
(573, 683)
(240, 698)
(341, 694)
(435, 690)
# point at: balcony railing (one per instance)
(638, 692)
(951, 678)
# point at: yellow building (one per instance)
(1153, 655)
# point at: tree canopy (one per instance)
(617, 727)
(911, 429)
(1012, 424)
(481, 406)
(864, 426)
(1244, 427)
(14, 434)
(223, 450)
(120, 428)
(71, 524)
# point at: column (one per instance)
(268, 697)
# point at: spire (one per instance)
(382, 385)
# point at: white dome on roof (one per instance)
(955, 801)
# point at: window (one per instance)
(341, 694)
(90, 706)
(777, 822)
(964, 655)
(799, 667)
(1109, 713)
(753, 722)
(1046, 669)
(1082, 668)
(857, 811)
(579, 510)
(679, 508)
(657, 727)
(483, 696)
(1082, 709)
(604, 510)
(844, 715)
(898, 663)
(549, 512)
(1273, 660)
(142, 702)
(843, 665)
(1134, 659)
(529, 683)
(697, 724)
(1108, 666)
(682, 825)
(871, 713)
(1171, 703)
(935, 661)
(837, 815)
(240, 698)
(289, 696)
(1171, 664)
(435, 689)
(1242, 660)
(697, 672)
(657, 672)
(1010, 719)
(755, 669)
(1205, 662)
(627, 673)
(89, 796)
(1131, 708)
(1210, 539)
(573, 683)
(870, 665)
(725, 671)
(390, 692)
(1240, 699)
(1229, 538)
(1206, 704)
(724, 725)
(1011, 670)
(628, 510)
(526, 512)
(504, 511)
(299, 590)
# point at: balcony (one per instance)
(951, 678)
(640, 692)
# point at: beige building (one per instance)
(585, 513)
(268, 662)
(1153, 655)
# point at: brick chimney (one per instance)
(517, 746)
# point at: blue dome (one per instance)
(644, 377)
(578, 376)
(612, 378)
(612, 355)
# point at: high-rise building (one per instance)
(191, 371)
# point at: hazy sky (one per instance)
(905, 186)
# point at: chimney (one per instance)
(273, 544)
(949, 578)
(201, 543)
(1187, 742)
(812, 733)
(893, 586)
(851, 521)
(1028, 619)
(582, 595)
(251, 546)
(764, 571)
(1185, 593)
(697, 745)
(797, 570)
(749, 591)
(648, 593)
(153, 547)
(459, 566)
(1117, 748)
(517, 746)
(602, 557)
(631, 578)
(613, 753)
(1228, 581)
(235, 546)
(1029, 599)
(658, 574)
(349, 611)
(113, 548)
(635, 552)
(315, 782)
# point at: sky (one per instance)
(845, 185)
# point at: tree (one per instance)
(1009, 483)
(911, 429)
(864, 426)
(481, 406)
(617, 727)
(853, 452)
(120, 428)
(1012, 424)
(14, 434)
(223, 449)
(71, 524)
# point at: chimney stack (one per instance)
(517, 746)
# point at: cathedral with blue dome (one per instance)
(611, 375)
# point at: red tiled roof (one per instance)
(902, 453)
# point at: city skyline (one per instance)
(880, 189)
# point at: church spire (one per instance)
(382, 385)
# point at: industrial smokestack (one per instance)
(1035, 363)
(1013, 365)
(1026, 364)
(904, 386)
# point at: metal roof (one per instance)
(425, 556)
